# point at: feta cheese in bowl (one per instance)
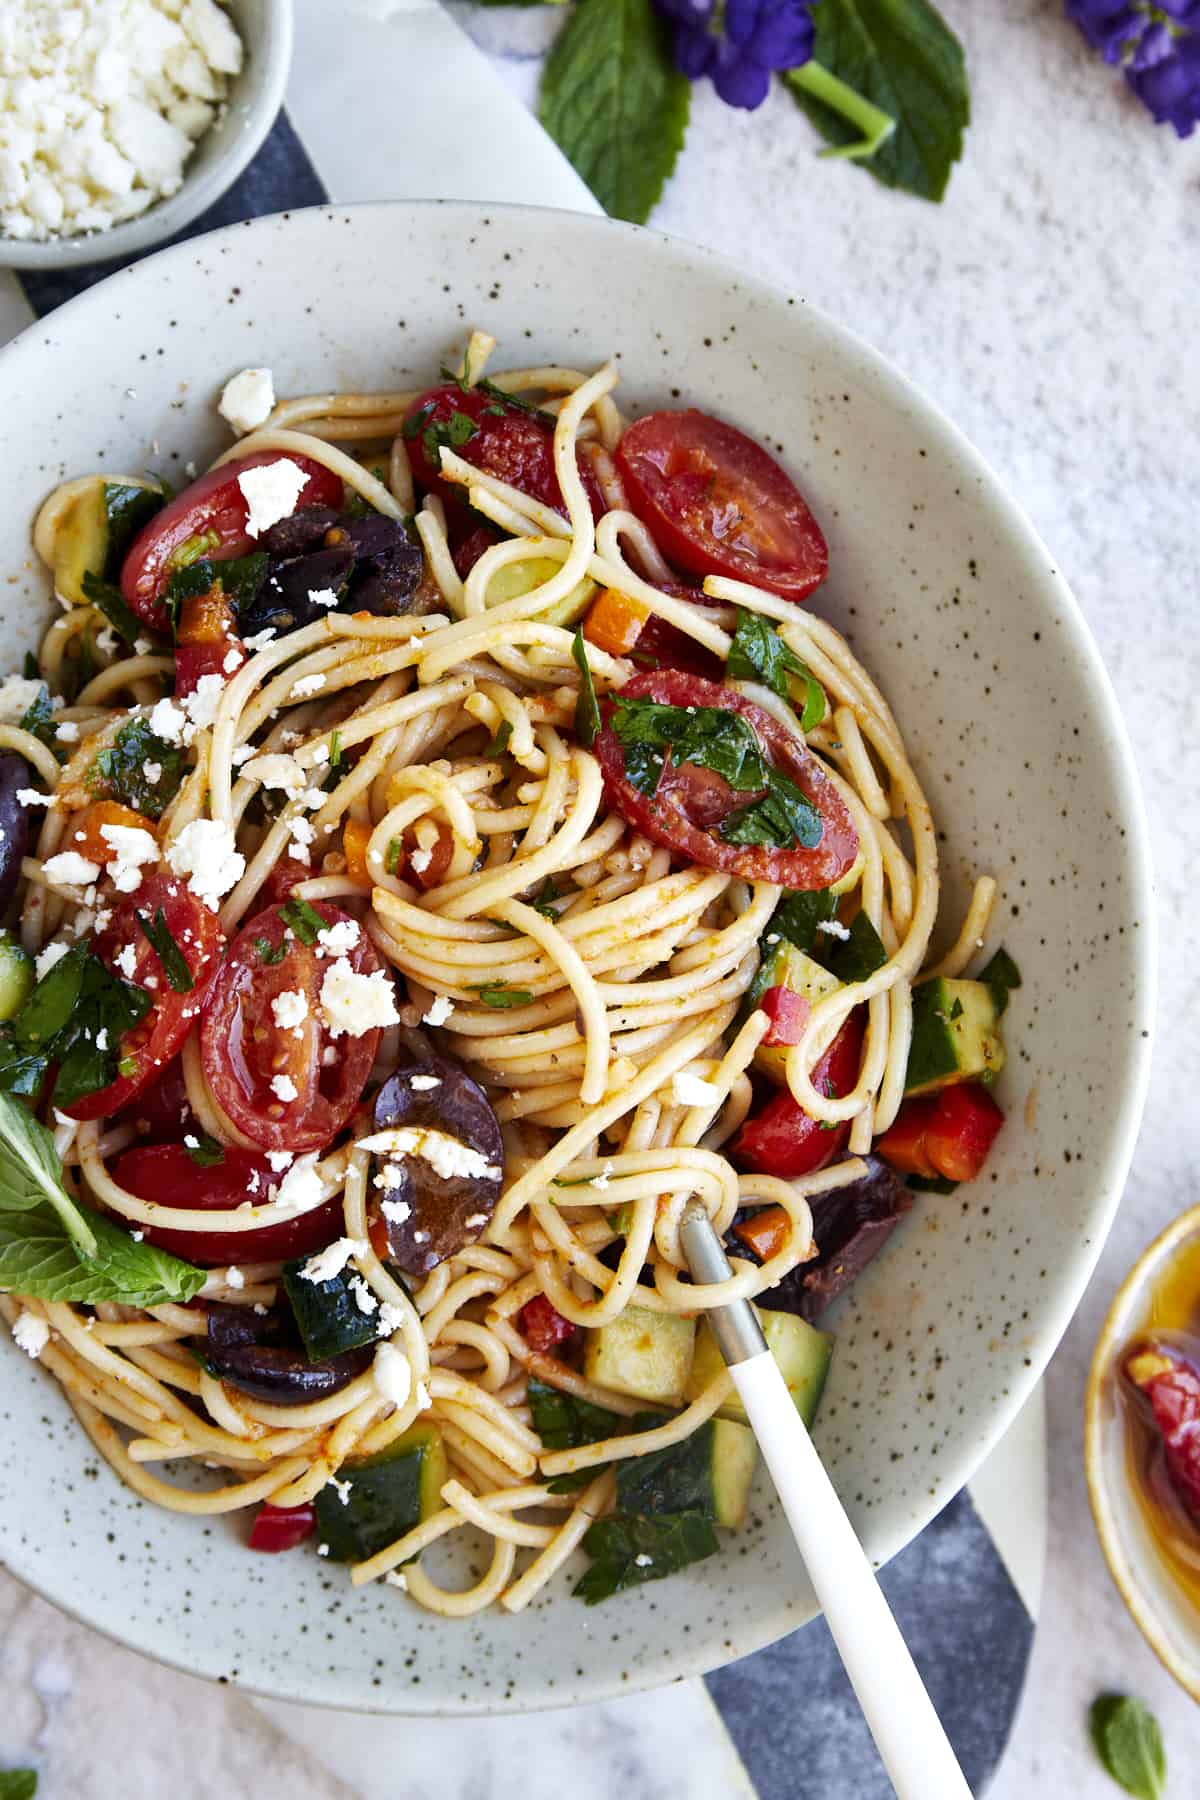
(121, 120)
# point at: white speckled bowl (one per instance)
(1164, 1613)
(255, 97)
(957, 607)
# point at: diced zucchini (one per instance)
(327, 1312)
(791, 968)
(710, 1472)
(647, 1355)
(390, 1493)
(16, 976)
(955, 1035)
(81, 543)
(802, 1352)
(517, 578)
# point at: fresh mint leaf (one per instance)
(627, 1551)
(124, 770)
(615, 104)
(87, 1049)
(784, 816)
(31, 1176)
(1001, 975)
(902, 56)
(157, 933)
(758, 653)
(1129, 1744)
(108, 597)
(587, 710)
(18, 1784)
(127, 509)
(37, 1258)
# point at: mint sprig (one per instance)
(1129, 1744)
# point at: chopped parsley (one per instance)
(123, 770)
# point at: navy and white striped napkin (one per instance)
(966, 1591)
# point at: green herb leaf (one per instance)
(563, 1422)
(501, 996)
(502, 739)
(445, 434)
(242, 576)
(40, 722)
(18, 1784)
(304, 920)
(124, 769)
(37, 1258)
(158, 935)
(335, 752)
(587, 710)
(269, 952)
(798, 915)
(395, 851)
(31, 1175)
(1001, 976)
(902, 56)
(127, 509)
(548, 893)
(859, 955)
(664, 1544)
(192, 549)
(615, 104)
(758, 653)
(206, 1153)
(783, 817)
(107, 596)
(1129, 1744)
(75, 1017)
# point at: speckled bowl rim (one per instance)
(697, 1656)
(259, 93)
(1113, 1334)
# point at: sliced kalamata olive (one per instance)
(283, 602)
(390, 584)
(261, 1355)
(445, 1211)
(850, 1226)
(375, 535)
(304, 530)
(14, 822)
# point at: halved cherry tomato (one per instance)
(244, 1050)
(152, 1043)
(543, 1326)
(717, 504)
(471, 549)
(782, 1139)
(661, 645)
(947, 1134)
(515, 446)
(209, 519)
(282, 1527)
(166, 1174)
(285, 875)
(206, 641)
(162, 1111)
(788, 1012)
(690, 801)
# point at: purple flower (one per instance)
(740, 44)
(1156, 43)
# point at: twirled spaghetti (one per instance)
(420, 772)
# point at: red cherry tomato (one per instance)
(285, 875)
(947, 1134)
(904, 1145)
(206, 642)
(515, 446)
(282, 1527)
(471, 549)
(690, 801)
(543, 1326)
(782, 1139)
(154, 1042)
(788, 1012)
(244, 1050)
(1172, 1387)
(162, 1110)
(167, 1175)
(717, 504)
(207, 519)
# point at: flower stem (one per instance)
(876, 125)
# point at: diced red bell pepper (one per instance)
(1172, 1388)
(947, 1134)
(788, 1012)
(782, 1139)
(206, 641)
(278, 1528)
(543, 1326)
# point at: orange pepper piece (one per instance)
(614, 622)
(355, 838)
(86, 837)
(765, 1232)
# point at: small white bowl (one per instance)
(255, 97)
(1165, 1615)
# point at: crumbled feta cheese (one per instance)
(395, 1211)
(132, 849)
(234, 1276)
(322, 1549)
(330, 1262)
(643, 1561)
(102, 1038)
(205, 853)
(342, 1489)
(17, 694)
(390, 1318)
(143, 646)
(339, 938)
(419, 860)
(835, 929)
(34, 797)
(276, 771)
(280, 1160)
(247, 400)
(423, 1401)
(354, 1003)
(31, 1332)
(424, 1084)
(168, 721)
(261, 639)
(290, 1009)
(271, 491)
(439, 1012)
(69, 869)
(364, 1299)
(201, 704)
(445, 1155)
(284, 1088)
(322, 596)
(47, 958)
(301, 1187)
(153, 773)
(321, 753)
(126, 960)
(137, 1236)
(307, 686)
(398, 1579)
(690, 1090)
(301, 833)
(391, 1374)
(233, 661)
